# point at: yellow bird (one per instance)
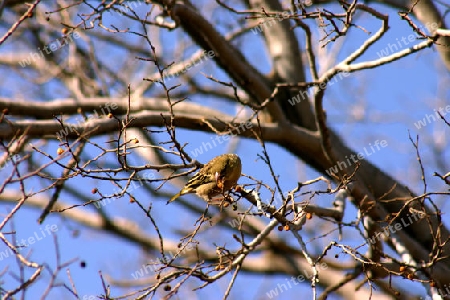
(216, 177)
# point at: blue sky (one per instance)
(391, 98)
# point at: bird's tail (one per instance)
(174, 197)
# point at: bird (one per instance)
(219, 175)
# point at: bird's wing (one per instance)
(199, 179)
